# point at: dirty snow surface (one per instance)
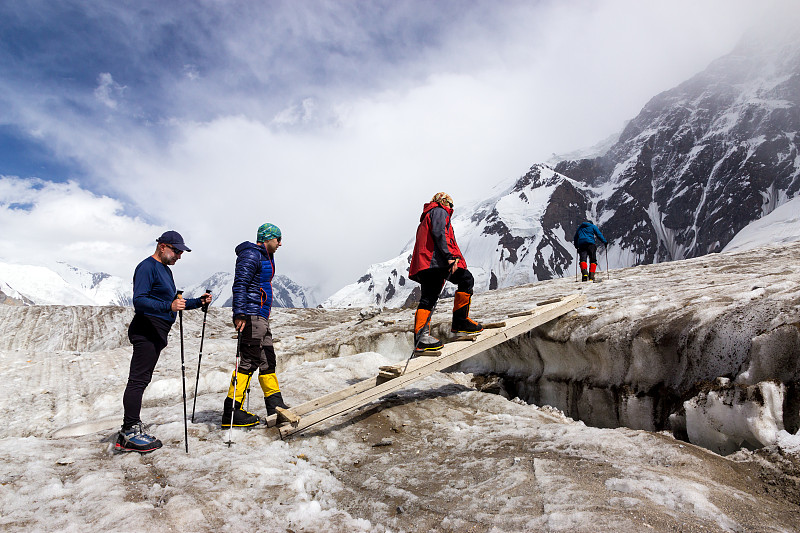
(567, 428)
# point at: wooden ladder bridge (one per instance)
(392, 378)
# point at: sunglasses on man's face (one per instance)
(177, 252)
(279, 239)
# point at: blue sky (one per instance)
(334, 120)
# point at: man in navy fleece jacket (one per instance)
(156, 304)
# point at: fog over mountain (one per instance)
(697, 166)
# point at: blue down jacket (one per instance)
(586, 233)
(252, 281)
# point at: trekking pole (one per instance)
(608, 276)
(576, 270)
(179, 296)
(427, 322)
(200, 358)
(235, 385)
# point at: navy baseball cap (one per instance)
(174, 238)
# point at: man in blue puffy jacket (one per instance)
(252, 303)
(584, 241)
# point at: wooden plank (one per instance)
(369, 383)
(512, 325)
(339, 395)
(360, 394)
(361, 386)
(334, 397)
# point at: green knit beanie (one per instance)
(267, 232)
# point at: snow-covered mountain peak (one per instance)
(62, 284)
(698, 165)
(518, 236)
(286, 292)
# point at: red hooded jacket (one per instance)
(436, 244)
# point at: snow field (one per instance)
(453, 458)
(477, 458)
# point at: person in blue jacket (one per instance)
(252, 303)
(156, 304)
(584, 241)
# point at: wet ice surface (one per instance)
(449, 458)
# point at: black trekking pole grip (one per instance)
(205, 306)
(200, 357)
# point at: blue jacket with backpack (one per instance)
(586, 234)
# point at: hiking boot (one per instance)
(465, 325)
(423, 340)
(272, 401)
(461, 321)
(134, 439)
(241, 418)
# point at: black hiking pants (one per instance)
(432, 281)
(148, 336)
(588, 250)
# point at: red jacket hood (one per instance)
(430, 205)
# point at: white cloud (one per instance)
(45, 222)
(340, 140)
(107, 89)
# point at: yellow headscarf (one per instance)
(443, 198)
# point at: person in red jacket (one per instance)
(437, 259)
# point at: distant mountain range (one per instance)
(701, 167)
(710, 165)
(285, 292)
(63, 284)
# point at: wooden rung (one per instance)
(287, 416)
(540, 304)
(465, 338)
(550, 301)
(494, 325)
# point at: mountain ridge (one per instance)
(64, 284)
(699, 164)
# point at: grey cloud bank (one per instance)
(332, 121)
